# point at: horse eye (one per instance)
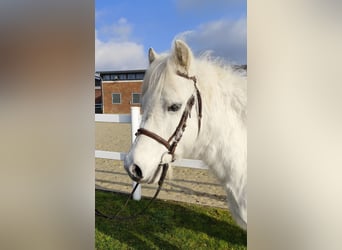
(174, 107)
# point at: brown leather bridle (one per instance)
(174, 139)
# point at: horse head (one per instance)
(171, 106)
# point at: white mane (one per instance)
(223, 145)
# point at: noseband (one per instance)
(172, 142)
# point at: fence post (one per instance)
(135, 118)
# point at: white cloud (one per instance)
(225, 38)
(123, 55)
(116, 50)
(118, 31)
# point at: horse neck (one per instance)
(222, 143)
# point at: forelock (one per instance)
(154, 80)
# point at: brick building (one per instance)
(119, 90)
(98, 94)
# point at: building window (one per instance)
(106, 77)
(136, 98)
(123, 77)
(97, 82)
(139, 76)
(131, 76)
(114, 77)
(116, 98)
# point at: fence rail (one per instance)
(134, 119)
(187, 163)
(113, 118)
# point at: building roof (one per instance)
(98, 74)
(119, 71)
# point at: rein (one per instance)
(170, 144)
(117, 217)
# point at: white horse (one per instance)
(219, 138)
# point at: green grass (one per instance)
(165, 225)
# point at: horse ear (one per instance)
(183, 54)
(151, 55)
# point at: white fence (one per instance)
(134, 119)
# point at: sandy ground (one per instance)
(186, 185)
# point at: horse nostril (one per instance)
(137, 171)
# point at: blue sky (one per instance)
(125, 30)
